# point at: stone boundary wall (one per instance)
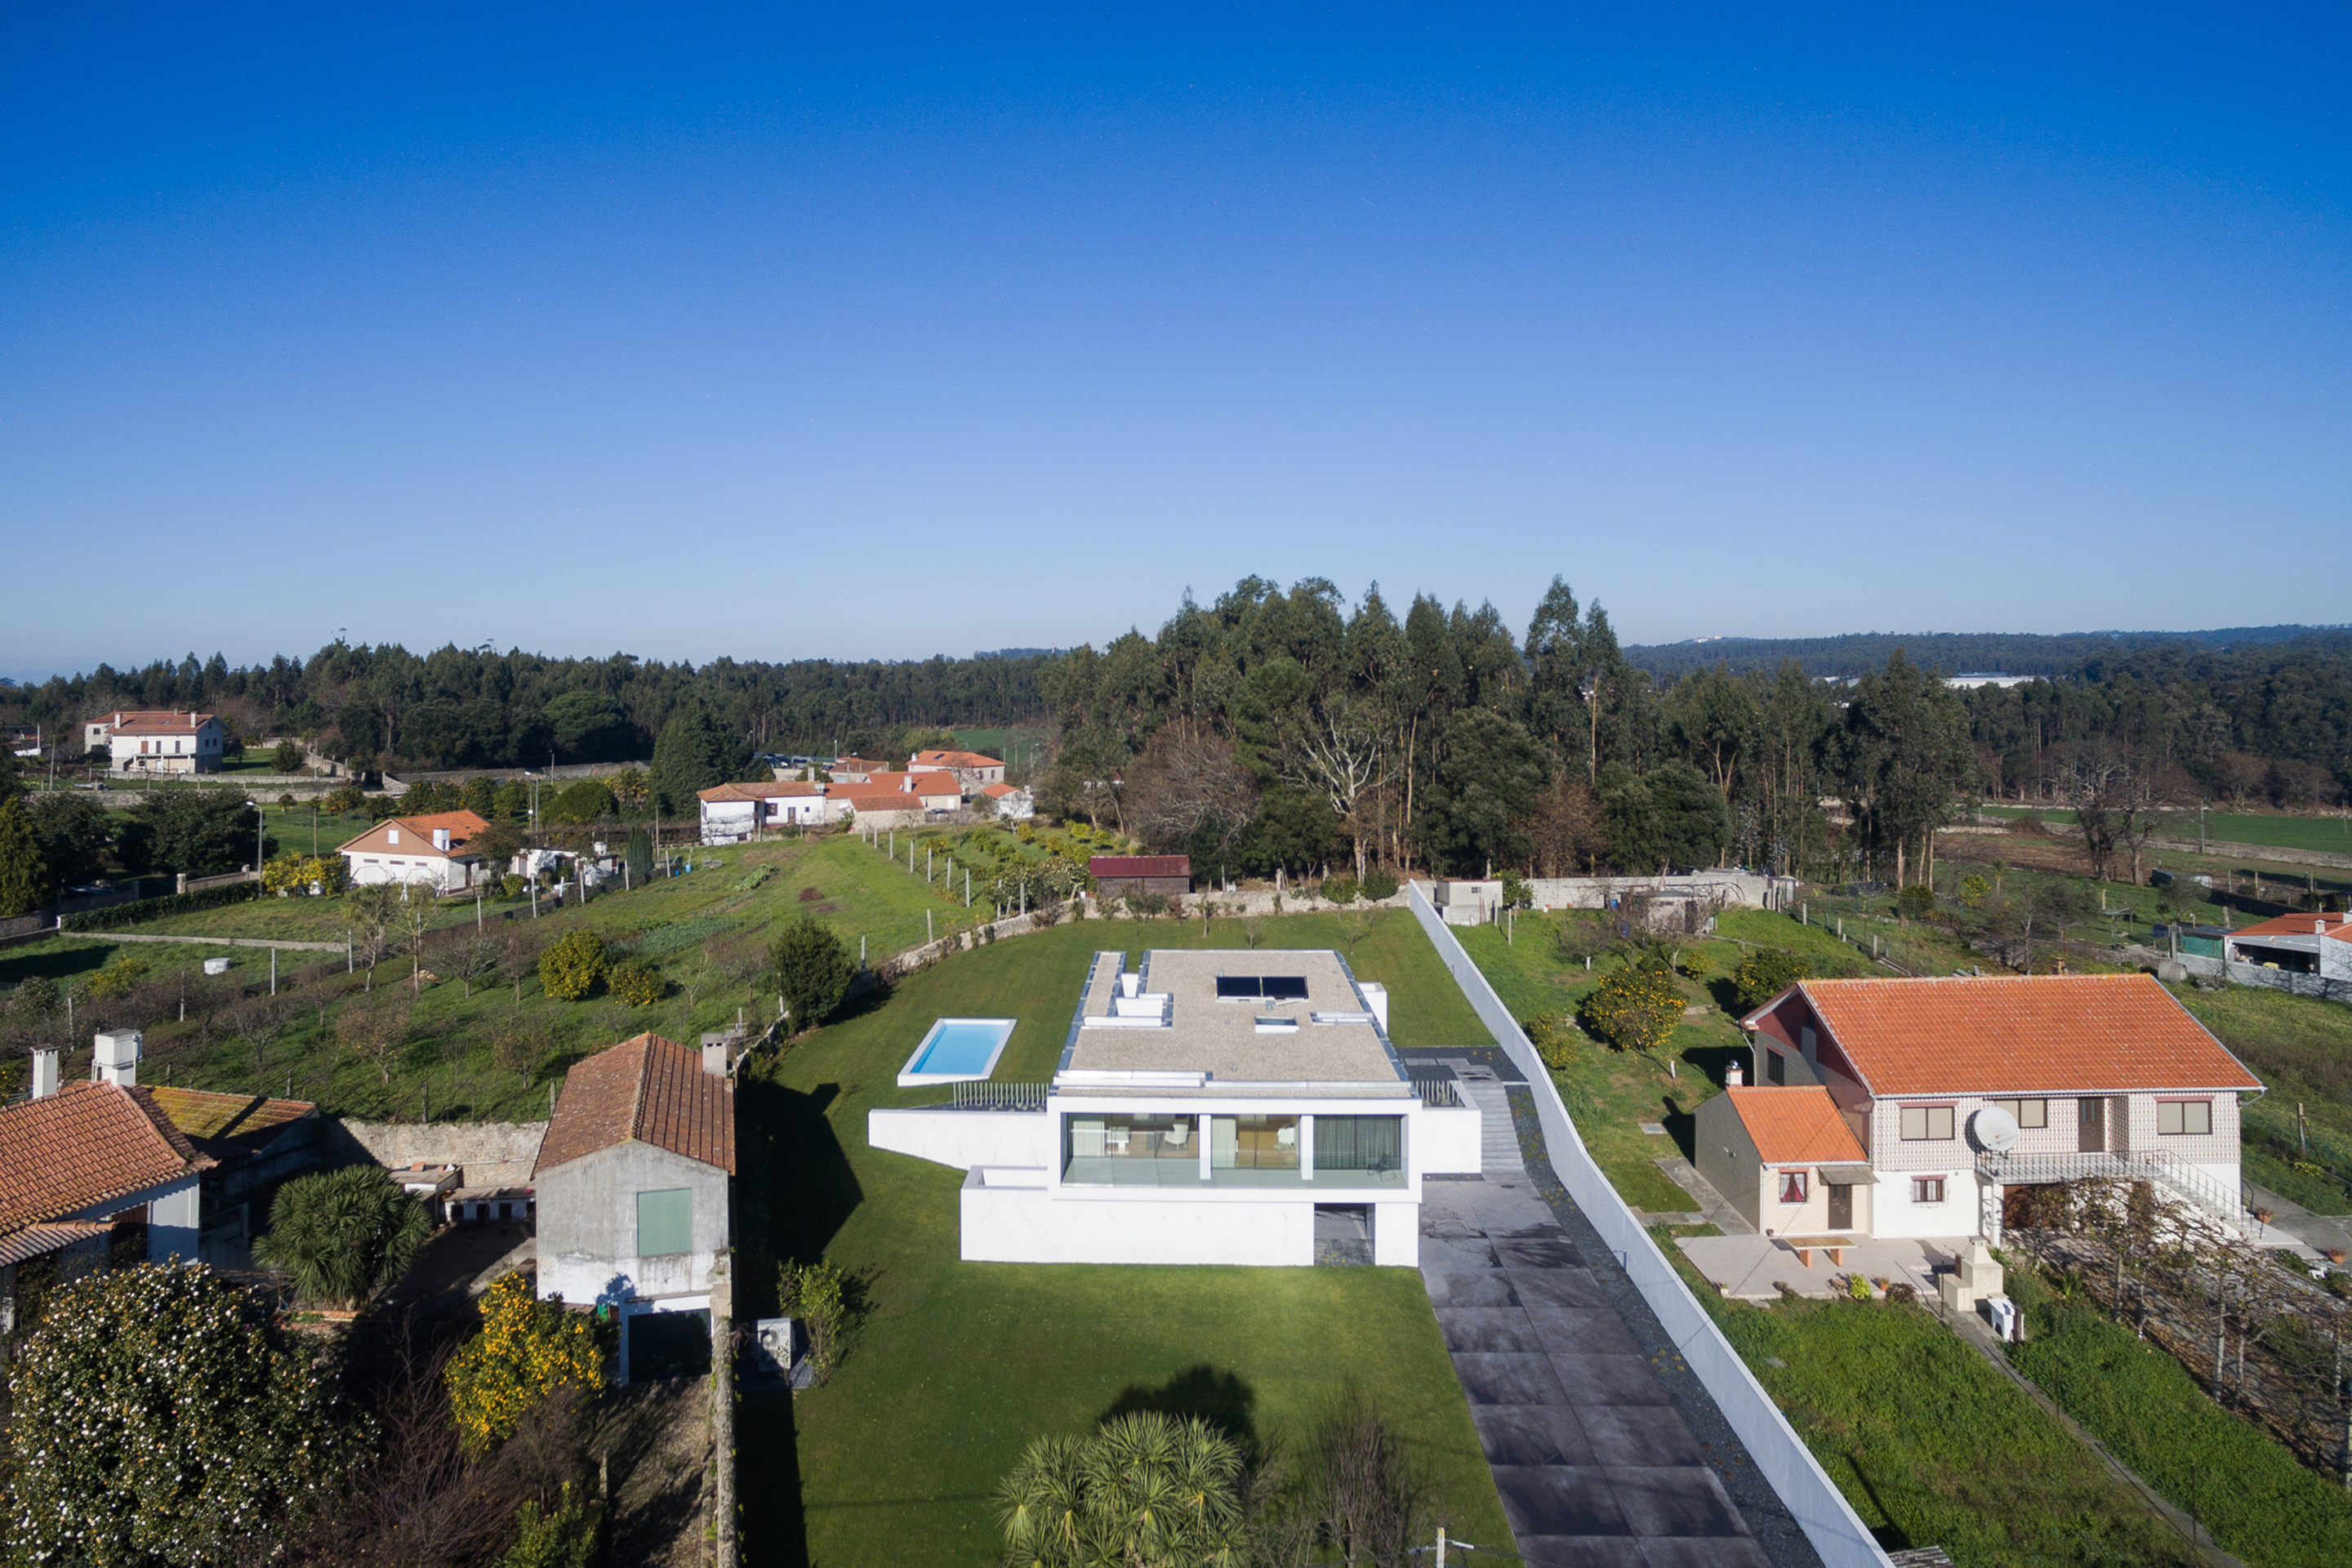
(1822, 1510)
(1740, 889)
(487, 1153)
(398, 785)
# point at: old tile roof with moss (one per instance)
(1798, 1126)
(2021, 1035)
(644, 1091)
(219, 1122)
(84, 1145)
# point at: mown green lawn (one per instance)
(958, 1366)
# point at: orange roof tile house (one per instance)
(634, 1182)
(432, 851)
(972, 770)
(1915, 1108)
(734, 811)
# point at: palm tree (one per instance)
(1144, 1491)
(343, 1235)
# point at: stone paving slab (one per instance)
(1593, 1454)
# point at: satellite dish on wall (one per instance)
(1996, 1130)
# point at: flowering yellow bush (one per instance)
(527, 1349)
(634, 983)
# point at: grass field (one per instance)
(1930, 1445)
(705, 931)
(2241, 1485)
(2301, 1049)
(1610, 1093)
(959, 1366)
(2328, 834)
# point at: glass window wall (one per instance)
(1130, 1151)
(1254, 1151)
(1359, 1151)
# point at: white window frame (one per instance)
(1927, 1133)
(2179, 1109)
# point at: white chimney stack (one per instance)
(440, 838)
(45, 1074)
(115, 1059)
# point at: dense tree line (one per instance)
(2268, 724)
(459, 708)
(1281, 728)
(2064, 654)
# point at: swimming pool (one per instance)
(957, 1050)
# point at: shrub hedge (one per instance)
(139, 910)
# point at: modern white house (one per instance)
(1931, 1107)
(158, 740)
(1205, 1107)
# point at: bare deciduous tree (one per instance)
(1184, 783)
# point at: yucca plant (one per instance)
(341, 1234)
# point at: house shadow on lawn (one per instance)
(1218, 1399)
(775, 1524)
(786, 1144)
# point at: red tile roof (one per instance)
(83, 1146)
(777, 790)
(2331, 926)
(866, 803)
(645, 1090)
(957, 760)
(463, 826)
(999, 791)
(56, 1235)
(930, 782)
(2021, 1035)
(160, 723)
(1797, 1126)
(1141, 866)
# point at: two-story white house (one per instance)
(972, 771)
(158, 740)
(1205, 1106)
(1870, 1110)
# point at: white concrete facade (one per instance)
(1200, 1158)
(588, 1214)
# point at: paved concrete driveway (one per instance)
(1586, 1415)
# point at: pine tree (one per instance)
(25, 881)
(693, 754)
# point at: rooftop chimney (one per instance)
(715, 1044)
(114, 1059)
(440, 838)
(45, 1074)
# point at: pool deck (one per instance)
(917, 1073)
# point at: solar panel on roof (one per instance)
(1271, 987)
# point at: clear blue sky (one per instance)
(797, 333)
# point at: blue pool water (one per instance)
(956, 1048)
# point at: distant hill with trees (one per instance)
(1954, 653)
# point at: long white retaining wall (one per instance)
(1828, 1522)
